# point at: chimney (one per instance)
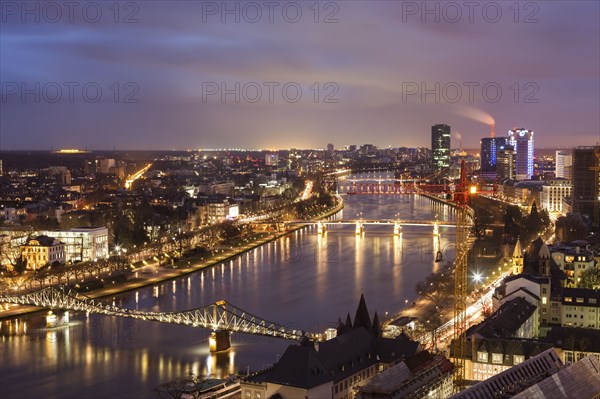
(492, 130)
(577, 249)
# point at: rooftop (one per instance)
(579, 380)
(516, 379)
(576, 339)
(505, 321)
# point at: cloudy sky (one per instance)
(192, 74)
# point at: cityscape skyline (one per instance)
(162, 82)
(196, 195)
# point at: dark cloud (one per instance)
(370, 55)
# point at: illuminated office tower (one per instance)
(522, 141)
(505, 163)
(440, 147)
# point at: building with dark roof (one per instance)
(502, 340)
(517, 318)
(515, 379)
(335, 368)
(543, 376)
(573, 259)
(546, 278)
(580, 380)
(422, 376)
(487, 357)
(573, 344)
(580, 308)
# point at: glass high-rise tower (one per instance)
(440, 147)
(522, 141)
(489, 150)
(586, 181)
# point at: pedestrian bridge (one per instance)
(219, 317)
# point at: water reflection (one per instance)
(303, 279)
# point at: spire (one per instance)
(362, 319)
(348, 322)
(376, 325)
(340, 326)
(544, 252)
(544, 260)
(518, 260)
(518, 252)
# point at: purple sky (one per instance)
(376, 55)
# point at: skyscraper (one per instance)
(271, 159)
(563, 164)
(489, 150)
(440, 147)
(522, 141)
(505, 163)
(586, 177)
(330, 150)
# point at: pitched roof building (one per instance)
(335, 368)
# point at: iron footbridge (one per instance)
(219, 316)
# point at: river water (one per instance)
(303, 280)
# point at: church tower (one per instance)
(544, 259)
(517, 258)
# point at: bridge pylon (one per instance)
(397, 229)
(55, 320)
(219, 341)
(360, 228)
(321, 228)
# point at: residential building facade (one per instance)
(42, 250)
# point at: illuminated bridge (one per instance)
(375, 222)
(359, 224)
(372, 186)
(220, 317)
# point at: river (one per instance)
(302, 280)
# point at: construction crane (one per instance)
(460, 278)
(596, 169)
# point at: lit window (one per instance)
(482, 356)
(518, 359)
(544, 300)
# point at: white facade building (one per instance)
(563, 164)
(83, 243)
(553, 193)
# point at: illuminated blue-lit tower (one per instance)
(489, 149)
(522, 141)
